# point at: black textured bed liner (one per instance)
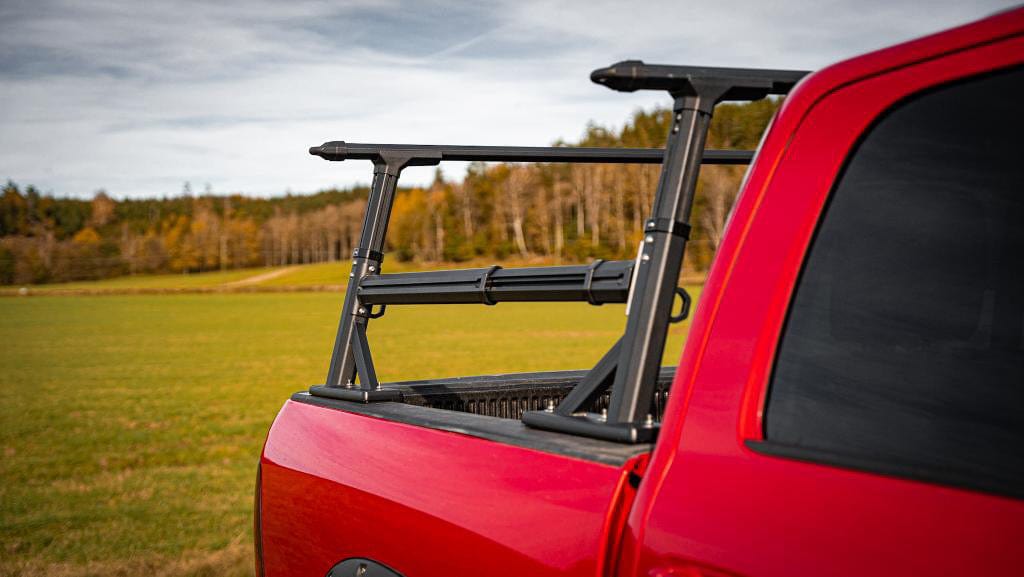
(505, 396)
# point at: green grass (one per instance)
(161, 281)
(329, 273)
(309, 275)
(130, 426)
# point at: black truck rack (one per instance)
(627, 375)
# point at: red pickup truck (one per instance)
(849, 402)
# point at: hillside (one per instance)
(549, 211)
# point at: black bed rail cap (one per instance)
(744, 83)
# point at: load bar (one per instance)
(598, 283)
(429, 154)
(738, 83)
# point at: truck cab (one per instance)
(848, 402)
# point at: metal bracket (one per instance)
(594, 426)
(369, 389)
(484, 280)
(673, 227)
(588, 282)
(368, 254)
(685, 310)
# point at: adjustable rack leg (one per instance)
(593, 385)
(566, 418)
(351, 349)
(635, 371)
(366, 260)
(664, 245)
(364, 361)
(369, 389)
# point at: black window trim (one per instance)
(933, 476)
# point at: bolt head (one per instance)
(645, 257)
(649, 238)
(372, 268)
(362, 310)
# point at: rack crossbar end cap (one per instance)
(335, 150)
(621, 76)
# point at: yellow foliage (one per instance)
(87, 235)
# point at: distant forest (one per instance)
(560, 212)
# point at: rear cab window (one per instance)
(903, 350)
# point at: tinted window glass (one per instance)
(904, 347)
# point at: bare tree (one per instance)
(517, 186)
(719, 192)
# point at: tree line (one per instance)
(560, 212)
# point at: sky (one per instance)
(137, 98)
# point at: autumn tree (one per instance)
(571, 212)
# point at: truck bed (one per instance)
(490, 407)
(505, 396)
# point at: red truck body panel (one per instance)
(711, 501)
(338, 485)
(427, 502)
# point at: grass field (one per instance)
(131, 425)
(331, 274)
(168, 281)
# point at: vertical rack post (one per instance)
(630, 369)
(351, 356)
(661, 256)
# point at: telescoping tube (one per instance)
(597, 283)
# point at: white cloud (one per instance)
(139, 97)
